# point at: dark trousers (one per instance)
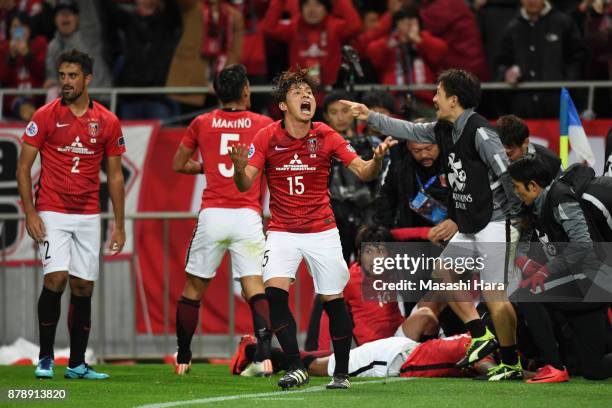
(588, 324)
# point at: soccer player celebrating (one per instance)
(222, 205)
(72, 134)
(482, 204)
(296, 155)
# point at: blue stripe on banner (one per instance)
(563, 116)
(569, 115)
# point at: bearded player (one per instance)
(295, 154)
(222, 206)
(72, 134)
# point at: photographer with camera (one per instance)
(414, 191)
(351, 199)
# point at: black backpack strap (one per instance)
(577, 177)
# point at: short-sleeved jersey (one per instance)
(71, 151)
(297, 171)
(213, 133)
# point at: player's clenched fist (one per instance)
(239, 153)
(35, 226)
(358, 110)
(383, 148)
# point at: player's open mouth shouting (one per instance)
(305, 107)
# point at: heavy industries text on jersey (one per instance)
(297, 171)
(71, 150)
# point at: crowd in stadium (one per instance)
(153, 43)
(461, 179)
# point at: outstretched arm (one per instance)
(244, 173)
(368, 170)
(399, 129)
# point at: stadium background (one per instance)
(135, 299)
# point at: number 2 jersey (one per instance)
(71, 151)
(297, 171)
(213, 133)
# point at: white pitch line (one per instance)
(279, 394)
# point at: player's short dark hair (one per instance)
(378, 99)
(334, 96)
(230, 82)
(285, 80)
(327, 3)
(462, 84)
(372, 233)
(530, 169)
(75, 56)
(406, 12)
(512, 130)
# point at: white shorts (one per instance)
(492, 245)
(72, 244)
(380, 358)
(322, 252)
(238, 229)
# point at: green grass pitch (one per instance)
(211, 385)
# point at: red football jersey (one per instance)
(71, 152)
(297, 171)
(372, 320)
(213, 133)
(437, 358)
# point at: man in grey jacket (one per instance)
(77, 31)
(482, 203)
(571, 219)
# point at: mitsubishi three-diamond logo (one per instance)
(76, 147)
(296, 164)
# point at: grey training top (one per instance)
(488, 144)
(571, 218)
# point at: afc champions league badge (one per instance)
(312, 147)
(93, 129)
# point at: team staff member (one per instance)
(514, 135)
(571, 231)
(296, 155)
(482, 202)
(72, 134)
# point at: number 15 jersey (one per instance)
(297, 171)
(71, 151)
